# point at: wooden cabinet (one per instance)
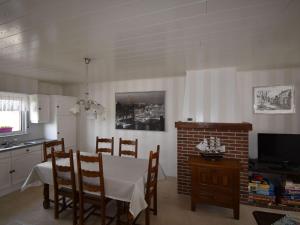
(16, 165)
(216, 183)
(39, 108)
(62, 122)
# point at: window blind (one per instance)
(13, 102)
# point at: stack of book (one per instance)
(261, 190)
(291, 194)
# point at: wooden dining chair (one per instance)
(89, 192)
(151, 185)
(150, 192)
(58, 145)
(64, 183)
(125, 151)
(100, 141)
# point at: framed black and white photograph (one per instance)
(140, 110)
(274, 99)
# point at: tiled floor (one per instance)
(25, 208)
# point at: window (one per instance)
(13, 109)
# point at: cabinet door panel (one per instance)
(67, 129)
(201, 175)
(44, 108)
(23, 164)
(39, 108)
(64, 104)
(4, 173)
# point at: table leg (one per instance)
(193, 206)
(130, 218)
(46, 202)
(119, 206)
(236, 212)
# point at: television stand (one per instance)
(281, 167)
(270, 168)
(279, 173)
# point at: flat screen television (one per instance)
(279, 148)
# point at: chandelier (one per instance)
(90, 106)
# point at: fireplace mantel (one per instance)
(220, 126)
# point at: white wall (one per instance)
(216, 95)
(105, 94)
(226, 95)
(279, 123)
(18, 84)
(50, 88)
(211, 96)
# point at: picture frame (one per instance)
(274, 99)
(140, 111)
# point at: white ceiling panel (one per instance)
(129, 39)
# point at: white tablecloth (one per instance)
(124, 178)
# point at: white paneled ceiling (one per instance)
(129, 39)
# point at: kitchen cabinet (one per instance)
(23, 160)
(62, 121)
(39, 108)
(15, 166)
(5, 168)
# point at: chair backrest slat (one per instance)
(88, 159)
(88, 173)
(91, 188)
(64, 182)
(103, 141)
(123, 151)
(152, 174)
(47, 147)
(63, 168)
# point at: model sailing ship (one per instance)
(212, 148)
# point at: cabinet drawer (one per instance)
(24, 151)
(219, 199)
(214, 177)
(212, 189)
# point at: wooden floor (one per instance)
(25, 208)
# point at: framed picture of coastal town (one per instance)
(140, 110)
(274, 99)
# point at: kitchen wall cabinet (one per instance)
(62, 122)
(16, 165)
(39, 108)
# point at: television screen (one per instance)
(279, 148)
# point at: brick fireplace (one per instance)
(233, 135)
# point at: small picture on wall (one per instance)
(274, 99)
(140, 110)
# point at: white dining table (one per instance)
(124, 178)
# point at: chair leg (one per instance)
(64, 202)
(74, 212)
(81, 212)
(147, 216)
(103, 214)
(46, 202)
(155, 202)
(56, 206)
(119, 205)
